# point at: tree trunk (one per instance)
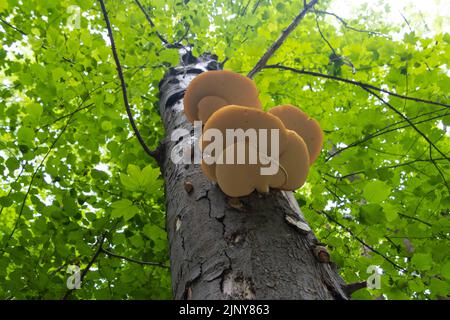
(256, 247)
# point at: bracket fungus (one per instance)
(308, 128)
(233, 118)
(244, 148)
(282, 156)
(212, 90)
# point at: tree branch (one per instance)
(409, 122)
(387, 167)
(414, 218)
(147, 16)
(32, 180)
(353, 82)
(383, 131)
(12, 27)
(11, 189)
(368, 88)
(70, 114)
(153, 153)
(345, 23)
(335, 56)
(349, 289)
(323, 37)
(277, 44)
(89, 265)
(166, 43)
(244, 10)
(439, 170)
(329, 217)
(148, 263)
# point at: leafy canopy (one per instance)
(73, 173)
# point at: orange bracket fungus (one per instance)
(280, 159)
(212, 90)
(306, 127)
(244, 148)
(226, 125)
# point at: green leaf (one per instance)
(5, 201)
(390, 212)
(422, 261)
(371, 214)
(70, 206)
(34, 110)
(137, 180)
(376, 191)
(124, 208)
(25, 135)
(149, 179)
(129, 183)
(106, 125)
(98, 174)
(137, 241)
(3, 6)
(445, 270)
(12, 164)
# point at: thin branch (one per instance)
(12, 27)
(223, 62)
(383, 131)
(323, 37)
(353, 82)
(32, 180)
(89, 265)
(147, 263)
(255, 7)
(335, 56)
(345, 23)
(10, 190)
(360, 240)
(277, 44)
(367, 88)
(416, 117)
(178, 44)
(147, 16)
(414, 218)
(152, 153)
(408, 163)
(333, 192)
(393, 243)
(65, 116)
(407, 22)
(167, 44)
(431, 143)
(439, 170)
(244, 10)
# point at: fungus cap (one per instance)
(308, 128)
(212, 90)
(238, 180)
(295, 162)
(239, 117)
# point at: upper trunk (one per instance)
(259, 247)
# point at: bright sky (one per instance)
(433, 16)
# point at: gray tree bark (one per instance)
(255, 247)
